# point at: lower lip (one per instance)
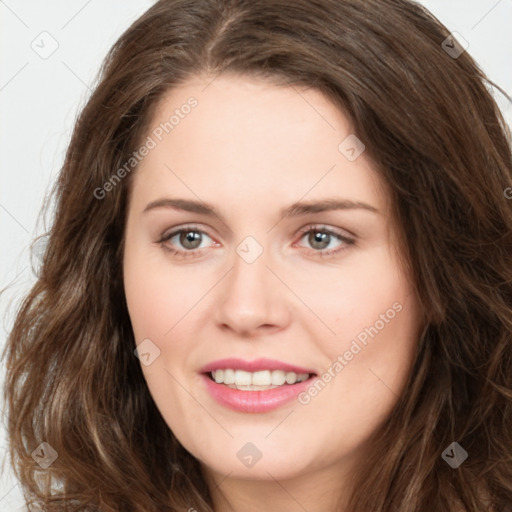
(255, 401)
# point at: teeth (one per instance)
(218, 376)
(229, 377)
(268, 379)
(278, 378)
(262, 378)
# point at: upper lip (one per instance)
(253, 366)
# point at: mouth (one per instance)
(256, 386)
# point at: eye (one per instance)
(320, 238)
(189, 238)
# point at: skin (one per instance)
(252, 148)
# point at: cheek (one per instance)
(376, 320)
(162, 302)
(363, 381)
(353, 296)
(157, 295)
(158, 300)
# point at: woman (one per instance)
(279, 274)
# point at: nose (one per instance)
(251, 300)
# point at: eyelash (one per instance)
(198, 252)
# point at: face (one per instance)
(245, 267)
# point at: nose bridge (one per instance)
(249, 267)
(248, 298)
(248, 282)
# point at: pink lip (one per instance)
(254, 401)
(253, 366)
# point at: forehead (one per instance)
(251, 139)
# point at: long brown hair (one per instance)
(436, 136)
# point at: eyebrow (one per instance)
(294, 210)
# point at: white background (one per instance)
(41, 97)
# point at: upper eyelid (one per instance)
(174, 231)
(343, 233)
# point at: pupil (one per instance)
(317, 237)
(188, 238)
